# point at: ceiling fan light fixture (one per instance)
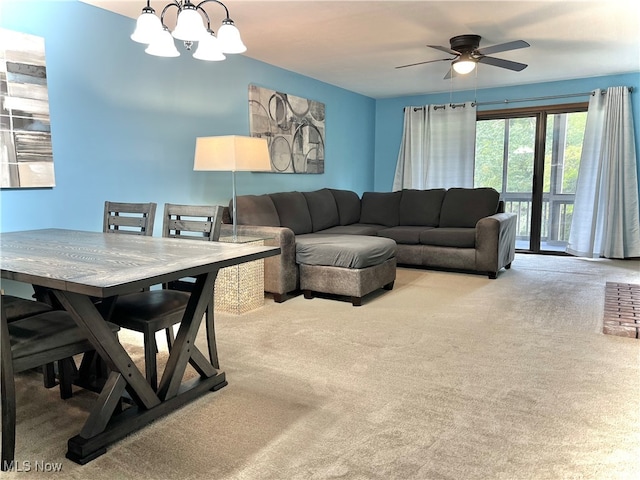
(463, 65)
(466, 53)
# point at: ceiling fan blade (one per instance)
(428, 61)
(503, 47)
(444, 49)
(499, 62)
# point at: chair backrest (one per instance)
(129, 218)
(195, 222)
(16, 308)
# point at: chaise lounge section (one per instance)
(346, 265)
(456, 229)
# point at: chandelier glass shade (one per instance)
(192, 25)
(209, 48)
(163, 45)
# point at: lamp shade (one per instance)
(232, 153)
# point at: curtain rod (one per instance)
(497, 102)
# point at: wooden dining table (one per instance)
(80, 267)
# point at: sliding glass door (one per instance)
(532, 158)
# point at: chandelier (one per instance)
(190, 28)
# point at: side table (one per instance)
(240, 288)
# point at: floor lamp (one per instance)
(232, 153)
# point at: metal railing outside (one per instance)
(557, 212)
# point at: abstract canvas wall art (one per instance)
(294, 129)
(26, 154)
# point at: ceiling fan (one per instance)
(466, 54)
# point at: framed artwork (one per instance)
(26, 154)
(294, 129)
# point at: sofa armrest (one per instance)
(495, 242)
(280, 272)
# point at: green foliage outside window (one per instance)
(489, 154)
(490, 148)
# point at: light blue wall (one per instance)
(389, 112)
(124, 123)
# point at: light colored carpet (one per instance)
(448, 376)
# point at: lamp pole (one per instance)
(234, 213)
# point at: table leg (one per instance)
(184, 344)
(106, 422)
(106, 344)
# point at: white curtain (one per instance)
(438, 147)
(606, 212)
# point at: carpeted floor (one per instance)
(448, 376)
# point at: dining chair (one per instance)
(28, 343)
(151, 311)
(129, 218)
(17, 308)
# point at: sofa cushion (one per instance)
(449, 237)
(348, 204)
(463, 207)
(322, 208)
(293, 211)
(347, 251)
(256, 210)
(380, 208)
(421, 207)
(354, 229)
(405, 234)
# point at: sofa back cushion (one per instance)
(380, 208)
(463, 207)
(322, 208)
(421, 207)
(348, 204)
(256, 210)
(293, 211)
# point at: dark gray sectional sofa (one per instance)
(457, 229)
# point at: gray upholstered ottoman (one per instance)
(348, 265)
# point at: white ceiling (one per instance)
(357, 44)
